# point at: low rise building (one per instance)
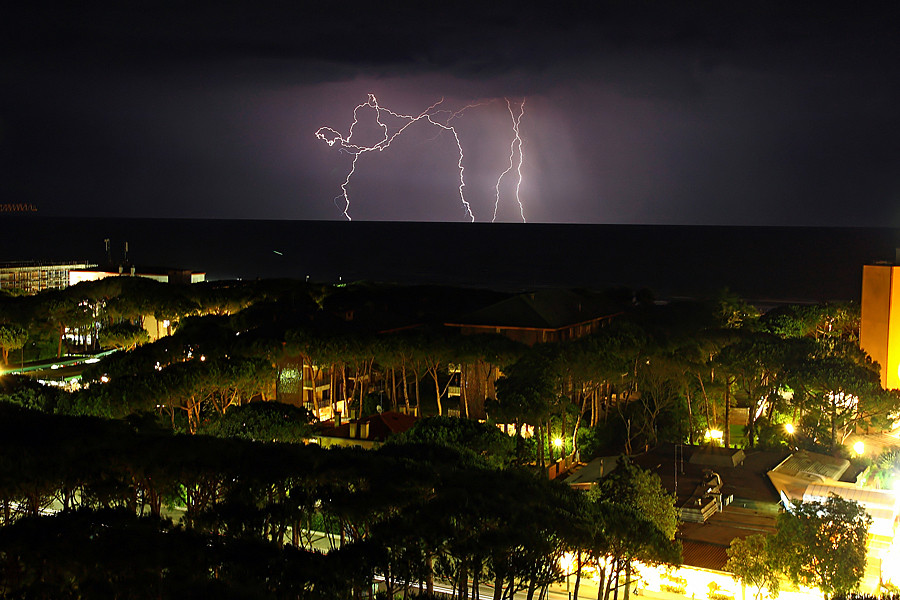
(161, 274)
(367, 432)
(36, 276)
(724, 494)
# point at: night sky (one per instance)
(719, 113)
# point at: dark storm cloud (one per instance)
(645, 112)
(475, 39)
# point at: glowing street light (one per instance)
(789, 428)
(714, 434)
(859, 448)
(558, 444)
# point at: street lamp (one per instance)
(557, 443)
(789, 428)
(714, 435)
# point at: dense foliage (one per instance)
(823, 544)
(406, 513)
(452, 498)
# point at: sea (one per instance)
(765, 265)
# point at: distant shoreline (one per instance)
(773, 264)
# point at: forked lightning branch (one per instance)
(429, 117)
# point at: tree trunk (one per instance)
(705, 402)
(393, 394)
(726, 437)
(690, 417)
(600, 584)
(344, 389)
(539, 429)
(315, 378)
(580, 563)
(437, 390)
(463, 581)
(462, 390)
(550, 439)
(584, 400)
(833, 422)
(616, 589)
(418, 396)
(498, 587)
(331, 384)
(405, 387)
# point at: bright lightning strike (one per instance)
(429, 115)
(514, 146)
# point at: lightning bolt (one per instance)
(346, 144)
(514, 145)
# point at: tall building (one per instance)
(32, 276)
(879, 329)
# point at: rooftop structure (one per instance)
(738, 501)
(541, 316)
(716, 456)
(750, 503)
(367, 432)
(806, 476)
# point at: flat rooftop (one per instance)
(747, 482)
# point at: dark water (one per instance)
(759, 263)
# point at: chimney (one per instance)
(337, 418)
(364, 430)
(354, 429)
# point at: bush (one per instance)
(28, 393)
(262, 422)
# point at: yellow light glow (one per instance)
(859, 447)
(714, 434)
(789, 428)
(890, 564)
(558, 442)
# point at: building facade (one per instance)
(160, 274)
(36, 276)
(879, 328)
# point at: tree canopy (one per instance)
(823, 544)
